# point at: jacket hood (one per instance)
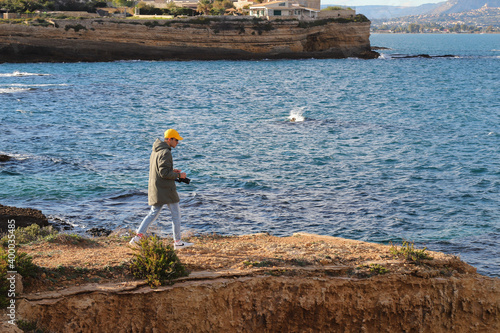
(160, 145)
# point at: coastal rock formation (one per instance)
(262, 283)
(206, 38)
(23, 217)
(5, 158)
(275, 304)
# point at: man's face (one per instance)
(172, 142)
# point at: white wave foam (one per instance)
(20, 74)
(296, 114)
(39, 85)
(25, 112)
(13, 90)
(18, 87)
(385, 56)
(19, 157)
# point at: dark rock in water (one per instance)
(23, 217)
(98, 232)
(369, 55)
(413, 56)
(423, 56)
(5, 158)
(59, 224)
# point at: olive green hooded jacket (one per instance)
(161, 187)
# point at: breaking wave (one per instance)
(296, 114)
(21, 74)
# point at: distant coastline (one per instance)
(201, 38)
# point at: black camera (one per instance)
(183, 180)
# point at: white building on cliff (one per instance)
(283, 9)
(301, 9)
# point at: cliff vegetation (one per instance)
(251, 283)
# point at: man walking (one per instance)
(162, 189)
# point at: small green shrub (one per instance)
(156, 262)
(4, 285)
(28, 326)
(367, 271)
(41, 22)
(361, 18)
(276, 272)
(25, 265)
(264, 263)
(299, 262)
(333, 8)
(35, 233)
(315, 23)
(30, 234)
(408, 252)
(378, 269)
(67, 239)
(21, 263)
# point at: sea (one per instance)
(400, 148)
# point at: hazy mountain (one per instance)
(379, 12)
(445, 7)
(458, 6)
(452, 16)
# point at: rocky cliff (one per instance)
(206, 38)
(261, 283)
(265, 303)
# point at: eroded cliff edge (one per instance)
(276, 304)
(261, 283)
(206, 38)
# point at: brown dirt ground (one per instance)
(106, 259)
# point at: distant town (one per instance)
(439, 18)
(483, 20)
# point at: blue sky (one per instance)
(408, 3)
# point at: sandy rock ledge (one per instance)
(230, 290)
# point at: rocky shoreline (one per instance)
(23, 217)
(205, 38)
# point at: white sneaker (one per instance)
(135, 241)
(181, 245)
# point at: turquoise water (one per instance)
(382, 150)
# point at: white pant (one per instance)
(155, 212)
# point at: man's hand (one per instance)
(183, 174)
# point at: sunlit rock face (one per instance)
(208, 39)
